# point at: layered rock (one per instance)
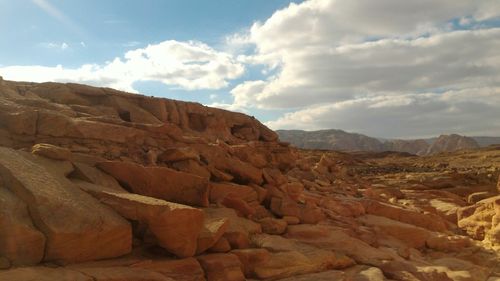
(125, 187)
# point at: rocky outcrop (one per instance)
(344, 141)
(449, 143)
(97, 184)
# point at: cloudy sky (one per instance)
(385, 68)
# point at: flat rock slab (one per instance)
(222, 267)
(176, 227)
(20, 241)
(77, 226)
(159, 182)
(122, 274)
(187, 269)
(43, 274)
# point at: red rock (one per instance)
(77, 227)
(188, 269)
(43, 274)
(221, 246)
(20, 242)
(428, 221)
(160, 182)
(251, 258)
(212, 231)
(218, 191)
(166, 220)
(221, 267)
(122, 274)
(178, 154)
(273, 226)
(51, 151)
(242, 207)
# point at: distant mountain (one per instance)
(345, 141)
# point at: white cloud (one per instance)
(188, 65)
(57, 46)
(352, 64)
(472, 111)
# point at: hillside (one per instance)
(98, 185)
(345, 141)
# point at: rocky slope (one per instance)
(344, 141)
(97, 184)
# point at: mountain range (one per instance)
(345, 141)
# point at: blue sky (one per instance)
(386, 68)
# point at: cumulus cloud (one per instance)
(187, 65)
(356, 64)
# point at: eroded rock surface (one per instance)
(97, 184)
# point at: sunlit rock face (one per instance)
(97, 184)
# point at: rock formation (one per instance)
(97, 184)
(349, 142)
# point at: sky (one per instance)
(385, 68)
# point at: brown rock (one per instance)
(323, 276)
(273, 226)
(293, 258)
(251, 258)
(221, 267)
(4, 263)
(239, 229)
(122, 273)
(428, 221)
(211, 232)
(166, 220)
(160, 182)
(411, 235)
(43, 274)
(20, 241)
(51, 151)
(77, 227)
(178, 154)
(188, 269)
(338, 240)
(221, 246)
(220, 190)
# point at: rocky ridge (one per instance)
(344, 141)
(97, 184)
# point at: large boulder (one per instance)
(20, 241)
(159, 182)
(77, 226)
(166, 220)
(221, 267)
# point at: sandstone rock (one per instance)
(160, 182)
(251, 258)
(20, 241)
(482, 220)
(211, 232)
(321, 276)
(273, 226)
(221, 246)
(412, 236)
(478, 196)
(192, 167)
(338, 240)
(219, 191)
(428, 221)
(293, 258)
(238, 230)
(447, 243)
(43, 274)
(188, 269)
(221, 267)
(166, 220)
(51, 151)
(122, 274)
(4, 263)
(76, 226)
(178, 154)
(93, 175)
